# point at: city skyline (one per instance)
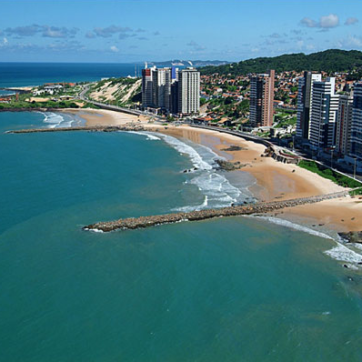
(139, 30)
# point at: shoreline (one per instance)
(275, 181)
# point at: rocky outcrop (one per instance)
(230, 166)
(352, 236)
(234, 148)
(258, 208)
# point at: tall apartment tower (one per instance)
(174, 90)
(147, 87)
(305, 91)
(323, 114)
(356, 129)
(189, 91)
(162, 88)
(262, 99)
(344, 123)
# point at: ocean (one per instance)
(229, 289)
(32, 74)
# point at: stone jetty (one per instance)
(126, 127)
(257, 208)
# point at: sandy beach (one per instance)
(95, 117)
(274, 180)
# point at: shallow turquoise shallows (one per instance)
(231, 289)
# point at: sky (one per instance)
(121, 31)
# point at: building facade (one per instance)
(305, 91)
(262, 99)
(162, 88)
(343, 124)
(323, 114)
(171, 90)
(356, 128)
(147, 87)
(188, 91)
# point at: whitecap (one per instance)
(204, 205)
(184, 148)
(96, 230)
(292, 225)
(342, 253)
(150, 136)
(56, 120)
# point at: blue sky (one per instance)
(140, 30)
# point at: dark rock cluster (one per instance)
(230, 166)
(352, 236)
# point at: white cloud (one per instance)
(308, 22)
(351, 21)
(351, 42)
(45, 30)
(195, 46)
(5, 41)
(114, 49)
(329, 21)
(111, 30)
(325, 22)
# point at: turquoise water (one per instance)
(232, 289)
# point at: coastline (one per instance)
(275, 181)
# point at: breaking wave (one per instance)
(213, 184)
(292, 225)
(57, 120)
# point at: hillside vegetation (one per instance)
(332, 60)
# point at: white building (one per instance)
(323, 114)
(356, 129)
(162, 88)
(343, 124)
(189, 91)
(305, 92)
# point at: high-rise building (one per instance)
(356, 129)
(305, 91)
(162, 88)
(171, 90)
(323, 114)
(188, 91)
(262, 99)
(344, 123)
(147, 87)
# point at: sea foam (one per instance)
(294, 226)
(342, 253)
(183, 148)
(150, 136)
(218, 191)
(56, 120)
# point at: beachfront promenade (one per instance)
(250, 209)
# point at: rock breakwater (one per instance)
(257, 208)
(126, 127)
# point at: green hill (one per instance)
(333, 60)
